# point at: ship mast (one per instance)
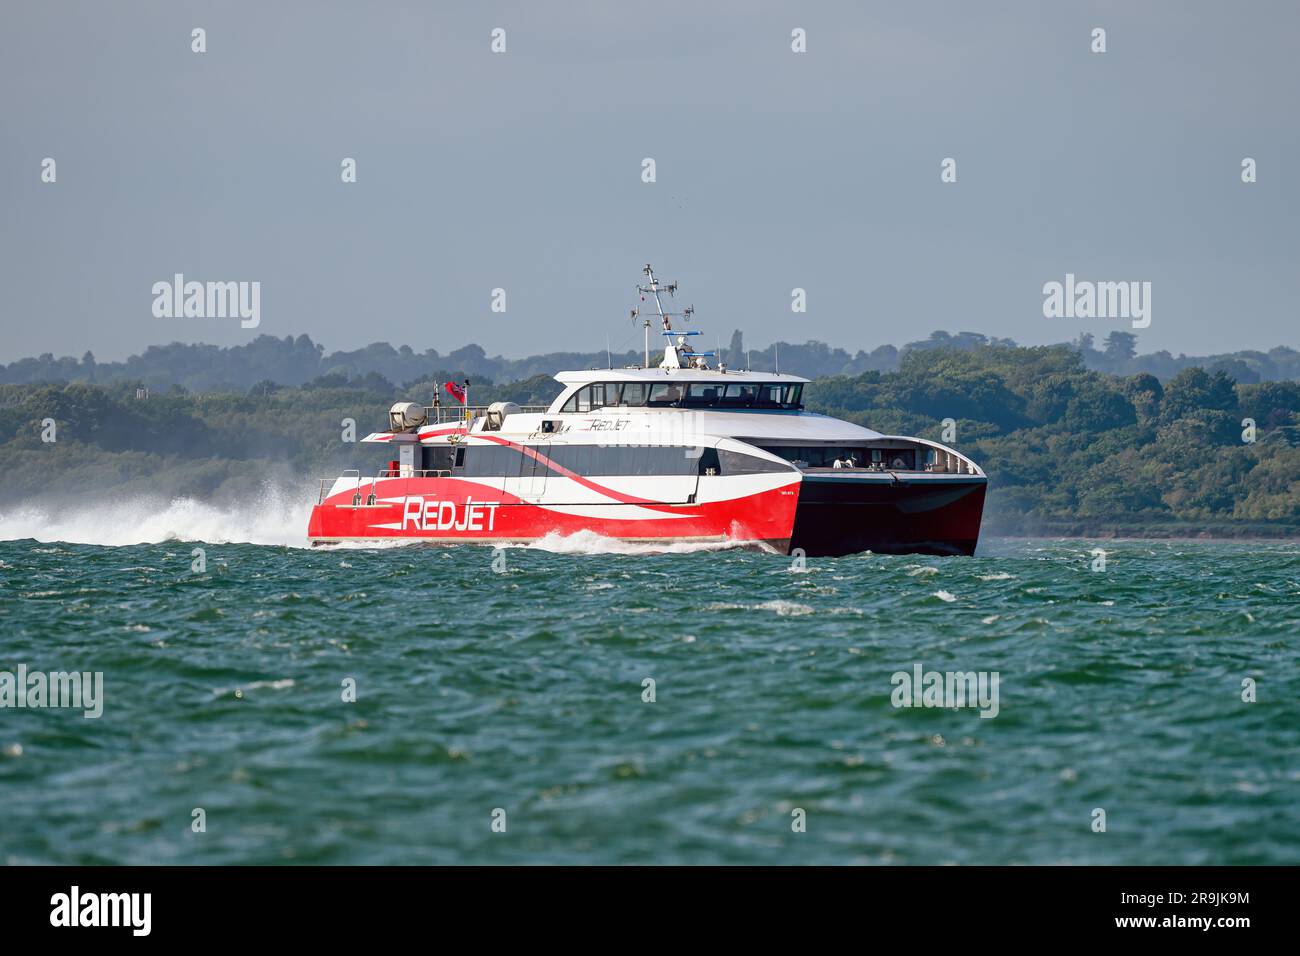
(653, 289)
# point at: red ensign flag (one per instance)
(457, 391)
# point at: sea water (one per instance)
(586, 701)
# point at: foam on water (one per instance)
(784, 608)
(273, 517)
(589, 542)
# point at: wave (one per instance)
(272, 517)
(589, 542)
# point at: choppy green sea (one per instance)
(517, 694)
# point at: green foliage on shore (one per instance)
(1071, 450)
(1067, 449)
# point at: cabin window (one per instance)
(489, 461)
(778, 395)
(497, 461)
(596, 460)
(685, 395)
(591, 397)
(664, 393)
(702, 395)
(736, 463)
(745, 395)
(900, 459)
(576, 458)
(531, 466)
(822, 456)
(739, 396)
(437, 457)
(579, 401)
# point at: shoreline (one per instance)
(1277, 539)
(1149, 534)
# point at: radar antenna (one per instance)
(673, 354)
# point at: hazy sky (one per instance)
(523, 170)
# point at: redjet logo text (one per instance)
(427, 515)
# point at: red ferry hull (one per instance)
(820, 517)
(456, 510)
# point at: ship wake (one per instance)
(270, 517)
(589, 542)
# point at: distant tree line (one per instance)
(299, 361)
(1069, 449)
(1119, 356)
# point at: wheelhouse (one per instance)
(732, 396)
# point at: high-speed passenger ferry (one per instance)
(685, 451)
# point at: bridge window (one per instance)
(700, 395)
(665, 393)
(685, 395)
(634, 393)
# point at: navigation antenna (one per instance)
(654, 288)
(646, 325)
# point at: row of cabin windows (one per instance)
(685, 395)
(499, 461)
(898, 459)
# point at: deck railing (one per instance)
(366, 490)
(443, 414)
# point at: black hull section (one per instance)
(838, 516)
